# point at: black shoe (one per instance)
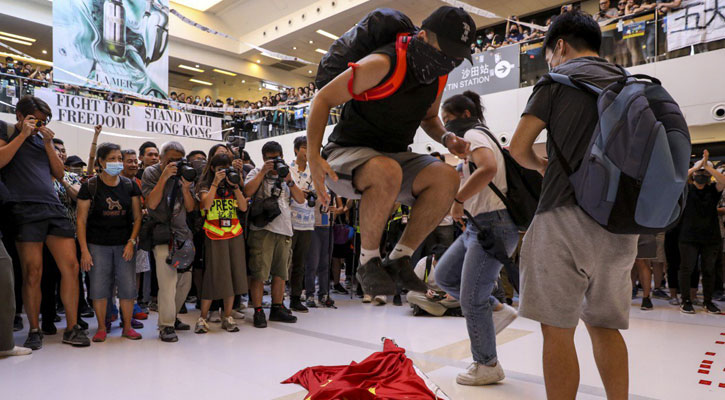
(18, 323)
(183, 310)
(374, 279)
(338, 288)
(34, 340)
(56, 318)
(326, 301)
(686, 307)
(83, 324)
(86, 312)
(419, 312)
(76, 337)
(260, 320)
(180, 326)
(135, 324)
(711, 308)
(48, 327)
(281, 314)
(646, 304)
(59, 309)
(401, 270)
(168, 334)
(454, 312)
(397, 301)
(296, 305)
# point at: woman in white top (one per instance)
(468, 271)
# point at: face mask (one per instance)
(219, 104)
(479, 41)
(701, 179)
(460, 126)
(198, 165)
(427, 63)
(552, 57)
(113, 168)
(490, 36)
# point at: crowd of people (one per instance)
(166, 227)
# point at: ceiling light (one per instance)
(260, 89)
(243, 81)
(219, 71)
(190, 68)
(30, 60)
(259, 61)
(311, 42)
(200, 82)
(27, 39)
(45, 51)
(197, 65)
(321, 51)
(294, 47)
(328, 34)
(18, 41)
(200, 5)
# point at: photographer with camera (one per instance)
(29, 162)
(109, 222)
(435, 301)
(225, 269)
(271, 187)
(303, 223)
(167, 187)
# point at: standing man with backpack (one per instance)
(572, 264)
(368, 156)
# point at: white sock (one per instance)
(400, 251)
(367, 255)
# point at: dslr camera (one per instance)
(311, 199)
(281, 168)
(185, 170)
(241, 126)
(233, 176)
(237, 141)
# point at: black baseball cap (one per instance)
(455, 30)
(74, 161)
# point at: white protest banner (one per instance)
(696, 21)
(90, 111)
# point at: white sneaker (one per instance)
(504, 317)
(479, 375)
(215, 317)
(367, 299)
(201, 326)
(16, 351)
(237, 315)
(380, 300)
(303, 296)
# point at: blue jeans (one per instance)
(318, 262)
(108, 268)
(468, 273)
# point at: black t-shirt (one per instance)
(387, 125)
(571, 116)
(700, 222)
(110, 221)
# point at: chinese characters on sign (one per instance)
(492, 71)
(697, 21)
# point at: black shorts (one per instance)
(34, 222)
(341, 250)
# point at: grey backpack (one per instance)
(633, 177)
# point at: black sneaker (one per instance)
(57, 318)
(402, 271)
(296, 305)
(59, 309)
(397, 301)
(311, 303)
(374, 279)
(419, 312)
(326, 301)
(183, 310)
(454, 312)
(86, 311)
(47, 326)
(18, 324)
(34, 340)
(338, 288)
(280, 314)
(646, 304)
(711, 308)
(260, 320)
(686, 307)
(83, 324)
(168, 334)
(76, 337)
(180, 326)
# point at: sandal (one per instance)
(100, 336)
(131, 334)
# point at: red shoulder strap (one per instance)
(442, 80)
(393, 83)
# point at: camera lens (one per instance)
(39, 124)
(233, 176)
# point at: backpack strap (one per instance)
(428, 266)
(390, 86)
(92, 189)
(491, 185)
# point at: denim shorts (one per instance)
(110, 269)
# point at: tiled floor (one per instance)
(666, 349)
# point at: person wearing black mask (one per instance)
(700, 233)
(370, 143)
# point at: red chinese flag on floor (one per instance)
(388, 374)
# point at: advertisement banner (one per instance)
(117, 45)
(90, 111)
(491, 72)
(696, 21)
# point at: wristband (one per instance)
(457, 201)
(444, 137)
(132, 241)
